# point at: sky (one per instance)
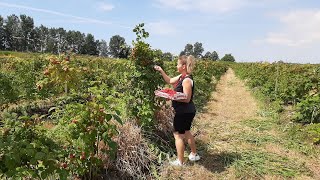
(251, 30)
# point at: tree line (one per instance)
(18, 33)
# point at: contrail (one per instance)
(89, 20)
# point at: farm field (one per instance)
(86, 117)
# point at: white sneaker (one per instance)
(195, 157)
(176, 163)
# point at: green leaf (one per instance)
(105, 136)
(9, 163)
(30, 152)
(117, 118)
(40, 156)
(33, 161)
(112, 145)
(24, 118)
(118, 112)
(108, 117)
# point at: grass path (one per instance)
(237, 140)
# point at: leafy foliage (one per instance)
(145, 80)
(287, 84)
(308, 110)
(25, 150)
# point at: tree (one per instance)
(103, 48)
(90, 45)
(78, 41)
(188, 49)
(61, 40)
(211, 56)
(197, 50)
(51, 43)
(2, 34)
(214, 56)
(207, 56)
(228, 57)
(41, 38)
(12, 33)
(115, 45)
(35, 43)
(27, 26)
(71, 40)
(124, 51)
(167, 56)
(57, 42)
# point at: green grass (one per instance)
(293, 136)
(259, 125)
(259, 134)
(258, 139)
(314, 132)
(297, 138)
(253, 165)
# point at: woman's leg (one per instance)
(191, 142)
(179, 145)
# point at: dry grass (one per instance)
(232, 102)
(138, 152)
(134, 157)
(164, 120)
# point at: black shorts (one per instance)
(182, 122)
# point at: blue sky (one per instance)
(252, 30)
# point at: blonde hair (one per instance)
(189, 61)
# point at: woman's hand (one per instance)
(157, 68)
(168, 79)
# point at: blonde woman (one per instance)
(185, 110)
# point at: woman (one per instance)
(184, 109)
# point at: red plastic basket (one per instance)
(170, 94)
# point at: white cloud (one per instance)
(300, 28)
(161, 28)
(206, 6)
(80, 19)
(105, 6)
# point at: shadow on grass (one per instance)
(216, 162)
